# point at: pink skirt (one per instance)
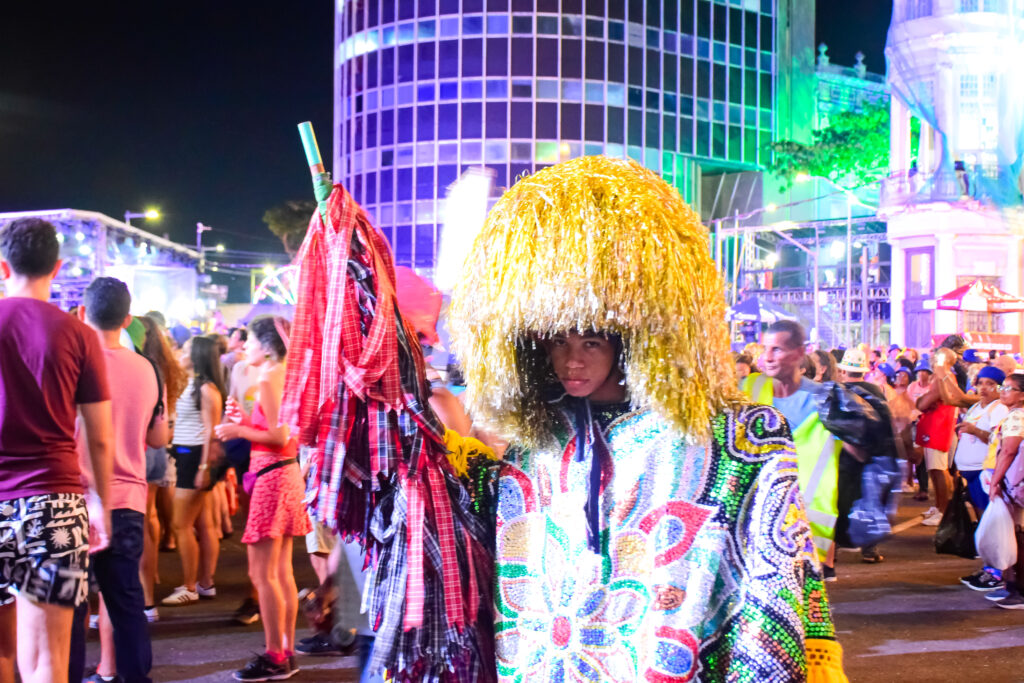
(276, 508)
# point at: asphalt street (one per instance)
(906, 619)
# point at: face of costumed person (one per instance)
(585, 365)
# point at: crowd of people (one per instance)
(119, 440)
(955, 414)
(660, 476)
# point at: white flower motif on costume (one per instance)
(60, 538)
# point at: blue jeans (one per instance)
(116, 570)
(979, 499)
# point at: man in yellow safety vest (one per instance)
(783, 385)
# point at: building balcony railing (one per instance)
(796, 295)
(983, 182)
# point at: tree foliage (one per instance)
(289, 221)
(852, 150)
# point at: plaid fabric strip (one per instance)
(449, 566)
(473, 603)
(389, 582)
(415, 591)
(436, 635)
(298, 411)
(334, 460)
(383, 452)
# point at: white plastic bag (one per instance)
(995, 537)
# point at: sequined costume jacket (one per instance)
(706, 571)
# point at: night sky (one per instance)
(192, 106)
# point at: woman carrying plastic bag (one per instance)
(1008, 438)
(995, 537)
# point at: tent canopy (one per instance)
(979, 297)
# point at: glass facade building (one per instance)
(428, 88)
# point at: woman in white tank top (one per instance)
(198, 410)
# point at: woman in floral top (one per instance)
(1006, 442)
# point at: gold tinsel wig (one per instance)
(600, 244)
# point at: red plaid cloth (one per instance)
(346, 328)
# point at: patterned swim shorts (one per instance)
(44, 549)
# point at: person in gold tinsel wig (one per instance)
(648, 521)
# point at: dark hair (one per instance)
(954, 342)
(206, 366)
(221, 340)
(30, 246)
(797, 336)
(809, 368)
(906, 362)
(264, 328)
(243, 333)
(454, 371)
(745, 358)
(828, 360)
(158, 349)
(107, 303)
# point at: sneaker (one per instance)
(932, 517)
(248, 612)
(985, 582)
(908, 488)
(830, 574)
(966, 580)
(181, 596)
(1013, 601)
(997, 594)
(260, 668)
(871, 556)
(206, 593)
(317, 645)
(151, 614)
(96, 678)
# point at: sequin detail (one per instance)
(706, 572)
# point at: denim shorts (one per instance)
(156, 466)
(44, 549)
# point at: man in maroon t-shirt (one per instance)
(49, 364)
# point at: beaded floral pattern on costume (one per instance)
(707, 571)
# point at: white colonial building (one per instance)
(956, 77)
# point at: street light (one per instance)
(148, 214)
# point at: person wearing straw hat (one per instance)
(852, 372)
(649, 524)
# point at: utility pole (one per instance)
(864, 291)
(200, 229)
(849, 274)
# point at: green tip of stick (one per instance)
(309, 143)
